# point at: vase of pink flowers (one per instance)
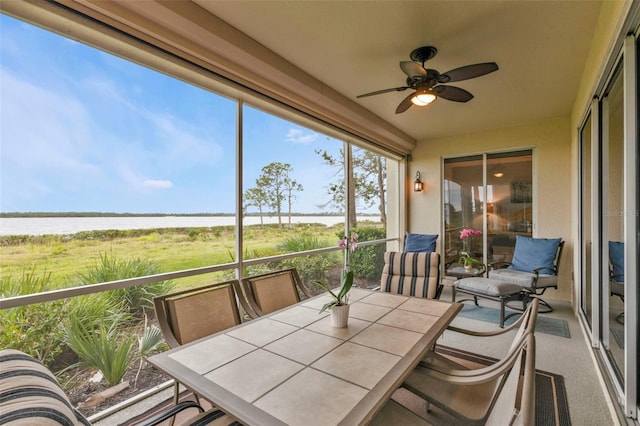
(466, 256)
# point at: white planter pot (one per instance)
(340, 316)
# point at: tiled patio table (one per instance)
(292, 367)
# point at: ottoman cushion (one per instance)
(487, 286)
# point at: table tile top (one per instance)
(385, 299)
(302, 400)
(299, 316)
(356, 294)
(304, 346)
(211, 353)
(294, 368)
(425, 306)
(367, 311)
(262, 332)
(324, 326)
(389, 339)
(346, 362)
(409, 320)
(317, 302)
(240, 377)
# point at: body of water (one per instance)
(71, 225)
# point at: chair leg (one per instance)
(502, 303)
(176, 398)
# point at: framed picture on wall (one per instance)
(521, 192)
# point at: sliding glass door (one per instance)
(492, 195)
(609, 238)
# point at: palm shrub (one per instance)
(111, 268)
(33, 329)
(99, 344)
(148, 343)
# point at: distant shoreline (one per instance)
(112, 214)
(66, 225)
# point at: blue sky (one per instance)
(82, 130)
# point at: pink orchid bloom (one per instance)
(466, 233)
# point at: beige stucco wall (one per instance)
(551, 142)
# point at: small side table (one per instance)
(458, 272)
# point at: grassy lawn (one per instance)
(171, 249)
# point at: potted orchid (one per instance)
(339, 306)
(466, 259)
(469, 262)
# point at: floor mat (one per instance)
(618, 335)
(554, 326)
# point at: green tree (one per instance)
(290, 186)
(278, 186)
(258, 198)
(367, 185)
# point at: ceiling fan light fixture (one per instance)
(423, 97)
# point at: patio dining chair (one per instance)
(498, 394)
(534, 267)
(273, 291)
(188, 315)
(31, 395)
(523, 325)
(412, 274)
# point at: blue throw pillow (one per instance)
(616, 257)
(533, 253)
(420, 242)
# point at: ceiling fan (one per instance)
(427, 84)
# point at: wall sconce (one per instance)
(417, 184)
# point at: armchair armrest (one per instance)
(170, 412)
(498, 265)
(475, 376)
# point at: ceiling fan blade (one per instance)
(468, 71)
(405, 104)
(452, 93)
(379, 92)
(413, 69)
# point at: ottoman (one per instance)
(488, 288)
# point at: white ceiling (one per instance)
(355, 47)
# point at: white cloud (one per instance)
(298, 136)
(158, 184)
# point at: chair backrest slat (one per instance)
(273, 291)
(515, 402)
(189, 315)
